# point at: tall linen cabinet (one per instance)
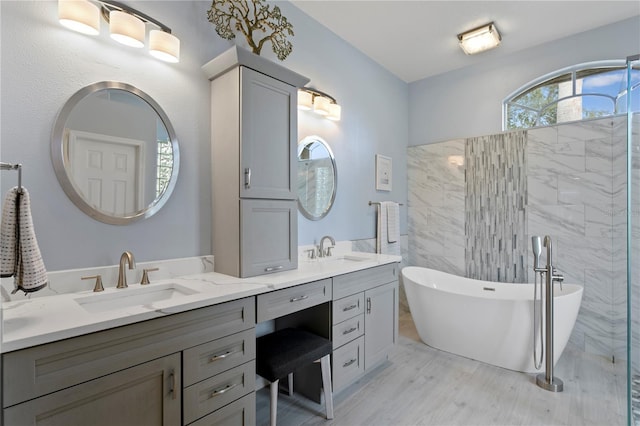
(253, 146)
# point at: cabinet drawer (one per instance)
(348, 363)
(211, 358)
(355, 282)
(239, 413)
(36, 371)
(286, 301)
(348, 307)
(348, 330)
(214, 393)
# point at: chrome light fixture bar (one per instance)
(126, 25)
(479, 39)
(320, 102)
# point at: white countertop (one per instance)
(42, 320)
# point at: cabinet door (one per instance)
(381, 323)
(148, 394)
(268, 236)
(268, 137)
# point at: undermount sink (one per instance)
(129, 297)
(343, 258)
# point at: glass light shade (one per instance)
(126, 28)
(164, 46)
(334, 112)
(80, 16)
(321, 105)
(479, 39)
(305, 100)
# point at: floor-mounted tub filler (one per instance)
(486, 321)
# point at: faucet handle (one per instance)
(145, 275)
(98, 286)
(311, 253)
(329, 250)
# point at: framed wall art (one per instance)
(383, 173)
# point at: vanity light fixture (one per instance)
(126, 25)
(479, 39)
(80, 16)
(321, 103)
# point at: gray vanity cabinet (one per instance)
(365, 321)
(172, 370)
(147, 394)
(253, 147)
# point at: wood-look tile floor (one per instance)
(424, 386)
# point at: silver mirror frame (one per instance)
(59, 160)
(304, 142)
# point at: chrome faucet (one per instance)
(321, 250)
(127, 257)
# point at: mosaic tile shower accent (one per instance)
(495, 197)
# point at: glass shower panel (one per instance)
(632, 93)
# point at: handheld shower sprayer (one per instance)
(536, 245)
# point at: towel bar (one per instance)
(371, 203)
(18, 167)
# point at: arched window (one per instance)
(581, 92)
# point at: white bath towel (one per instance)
(383, 245)
(19, 252)
(393, 221)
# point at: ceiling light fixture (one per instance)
(479, 39)
(126, 25)
(321, 103)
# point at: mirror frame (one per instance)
(304, 142)
(59, 160)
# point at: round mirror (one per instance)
(115, 153)
(317, 177)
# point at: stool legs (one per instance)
(325, 365)
(273, 401)
(290, 384)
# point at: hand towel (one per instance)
(393, 221)
(19, 252)
(383, 246)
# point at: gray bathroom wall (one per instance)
(43, 64)
(468, 102)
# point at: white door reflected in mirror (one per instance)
(317, 177)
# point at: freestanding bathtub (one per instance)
(486, 321)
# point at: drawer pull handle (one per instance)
(223, 356)
(273, 268)
(351, 330)
(297, 299)
(348, 308)
(247, 177)
(225, 389)
(368, 305)
(172, 387)
(348, 363)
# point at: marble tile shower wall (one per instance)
(575, 192)
(577, 195)
(436, 212)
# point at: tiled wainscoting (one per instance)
(571, 179)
